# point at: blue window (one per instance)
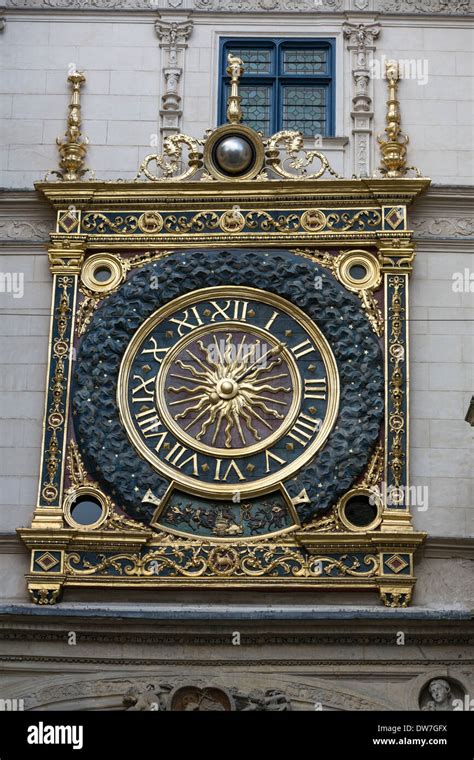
(287, 84)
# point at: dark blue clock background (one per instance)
(103, 441)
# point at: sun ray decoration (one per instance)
(230, 388)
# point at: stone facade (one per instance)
(154, 70)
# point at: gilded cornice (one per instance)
(436, 547)
(442, 212)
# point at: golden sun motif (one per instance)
(232, 390)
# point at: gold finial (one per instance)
(393, 149)
(235, 70)
(73, 146)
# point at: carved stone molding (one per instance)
(24, 219)
(21, 230)
(84, 5)
(173, 36)
(432, 7)
(445, 227)
(377, 636)
(448, 7)
(361, 44)
(269, 5)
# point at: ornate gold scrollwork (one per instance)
(396, 419)
(294, 145)
(170, 162)
(56, 412)
(251, 561)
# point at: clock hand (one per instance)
(271, 351)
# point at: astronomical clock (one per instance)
(227, 399)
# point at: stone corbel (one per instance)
(361, 44)
(173, 36)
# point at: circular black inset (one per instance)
(358, 272)
(102, 274)
(86, 510)
(233, 155)
(359, 511)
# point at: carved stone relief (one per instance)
(361, 44)
(173, 36)
(442, 7)
(196, 697)
(440, 695)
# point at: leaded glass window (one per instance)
(307, 61)
(288, 84)
(256, 104)
(304, 109)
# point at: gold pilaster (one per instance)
(66, 258)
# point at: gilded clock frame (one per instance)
(326, 554)
(265, 484)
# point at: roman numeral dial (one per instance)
(228, 389)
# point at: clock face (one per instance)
(228, 389)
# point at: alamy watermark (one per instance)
(463, 282)
(397, 496)
(256, 354)
(408, 68)
(12, 282)
(12, 705)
